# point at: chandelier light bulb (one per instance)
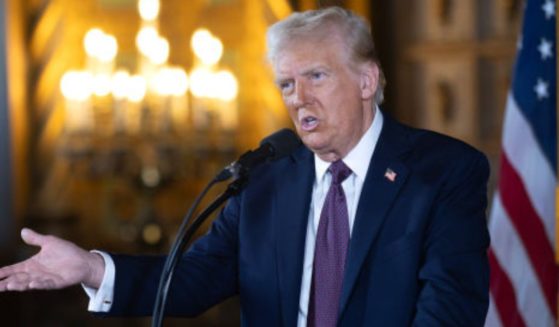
(100, 45)
(181, 82)
(159, 53)
(226, 86)
(136, 88)
(170, 81)
(148, 9)
(201, 80)
(92, 41)
(108, 48)
(146, 39)
(119, 82)
(76, 85)
(206, 47)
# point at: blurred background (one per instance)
(115, 113)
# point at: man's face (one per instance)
(329, 101)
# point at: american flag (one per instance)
(522, 220)
(390, 174)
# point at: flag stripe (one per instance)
(527, 158)
(522, 221)
(530, 230)
(514, 262)
(493, 318)
(504, 294)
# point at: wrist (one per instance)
(96, 270)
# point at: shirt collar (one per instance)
(359, 157)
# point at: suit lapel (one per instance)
(292, 200)
(384, 179)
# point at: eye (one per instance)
(285, 86)
(317, 75)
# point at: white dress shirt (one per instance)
(101, 300)
(357, 160)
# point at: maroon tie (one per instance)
(332, 240)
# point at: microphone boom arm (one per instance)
(275, 146)
(182, 240)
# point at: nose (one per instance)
(301, 95)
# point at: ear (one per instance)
(369, 80)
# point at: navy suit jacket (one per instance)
(417, 254)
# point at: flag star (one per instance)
(549, 8)
(541, 89)
(545, 49)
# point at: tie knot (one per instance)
(339, 171)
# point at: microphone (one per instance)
(272, 147)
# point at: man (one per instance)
(371, 223)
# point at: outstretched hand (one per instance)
(58, 264)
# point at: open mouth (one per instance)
(309, 123)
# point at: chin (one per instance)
(316, 147)
(316, 142)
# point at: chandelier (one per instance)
(151, 124)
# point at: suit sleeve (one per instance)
(455, 271)
(205, 275)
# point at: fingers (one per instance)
(15, 282)
(24, 282)
(42, 285)
(9, 270)
(31, 237)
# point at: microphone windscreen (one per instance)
(283, 143)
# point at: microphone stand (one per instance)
(185, 234)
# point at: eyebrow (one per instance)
(305, 72)
(314, 69)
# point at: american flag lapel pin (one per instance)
(390, 174)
